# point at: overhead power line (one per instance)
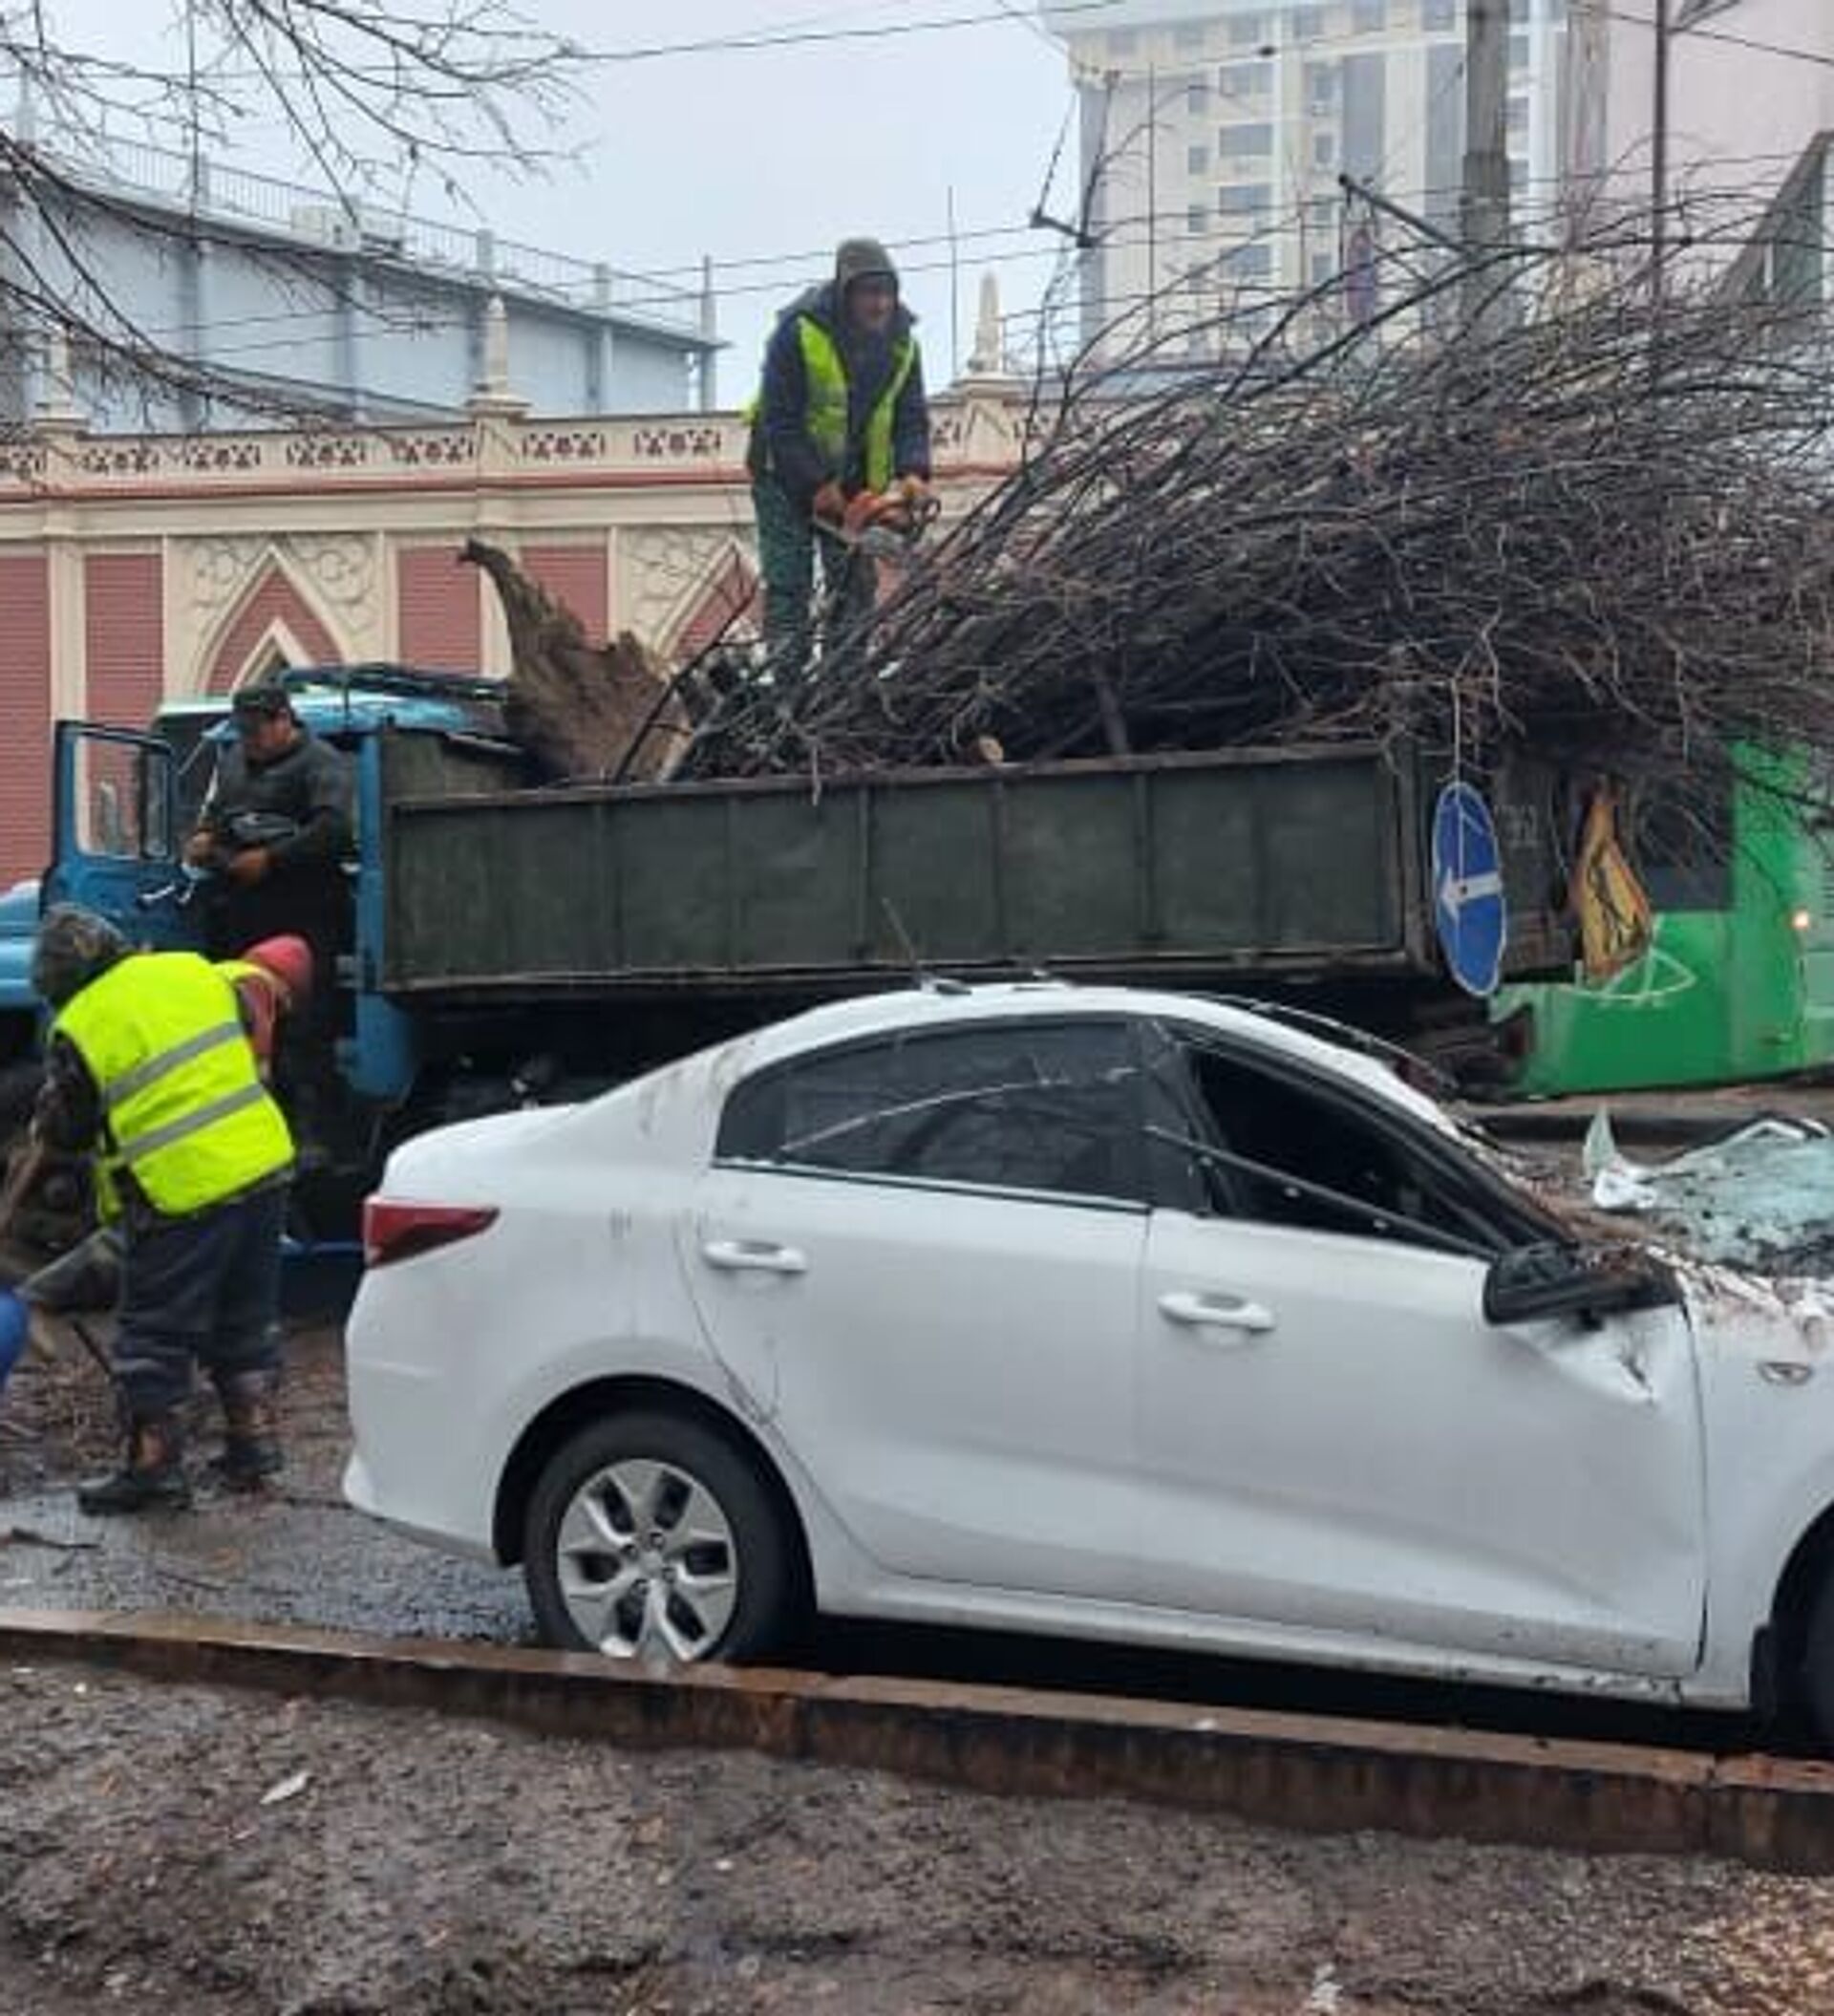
(801, 37)
(1701, 32)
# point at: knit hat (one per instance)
(74, 947)
(862, 259)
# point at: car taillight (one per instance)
(393, 1230)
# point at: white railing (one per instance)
(987, 429)
(169, 177)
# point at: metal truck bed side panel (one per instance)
(1272, 860)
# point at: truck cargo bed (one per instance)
(1227, 865)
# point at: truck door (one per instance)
(115, 834)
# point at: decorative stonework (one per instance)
(328, 451)
(341, 568)
(667, 571)
(683, 440)
(126, 457)
(329, 582)
(220, 569)
(564, 444)
(210, 454)
(982, 429)
(433, 448)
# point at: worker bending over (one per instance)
(149, 1070)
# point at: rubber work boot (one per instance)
(152, 1479)
(251, 1450)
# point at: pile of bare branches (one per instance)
(1593, 526)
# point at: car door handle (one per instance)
(1217, 1312)
(753, 1257)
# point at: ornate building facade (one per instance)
(138, 569)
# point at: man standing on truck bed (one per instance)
(275, 828)
(149, 1071)
(840, 419)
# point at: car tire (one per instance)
(1813, 1690)
(713, 1577)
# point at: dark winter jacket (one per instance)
(780, 443)
(302, 799)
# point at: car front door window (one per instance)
(1259, 1145)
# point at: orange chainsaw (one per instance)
(887, 524)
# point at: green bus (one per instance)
(1738, 980)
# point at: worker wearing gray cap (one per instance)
(841, 415)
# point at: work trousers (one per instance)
(788, 542)
(202, 1290)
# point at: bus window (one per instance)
(1681, 846)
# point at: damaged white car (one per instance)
(1098, 1312)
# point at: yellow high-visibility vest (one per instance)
(826, 373)
(184, 1109)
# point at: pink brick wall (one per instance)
(437, 609)
(24, 706)
(575, 576)
(123, 647)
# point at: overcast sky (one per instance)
(749, 154)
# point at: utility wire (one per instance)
(1702, 33)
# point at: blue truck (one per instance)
(516, 940)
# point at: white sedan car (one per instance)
(1097, 1312)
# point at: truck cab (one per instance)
(125, 801)
(18, 1005)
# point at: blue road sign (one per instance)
(1468, 900)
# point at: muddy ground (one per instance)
(169, 1850)
(165, 1851)
(293, 1555)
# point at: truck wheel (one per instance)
(652, 1538)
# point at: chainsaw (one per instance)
(885, 524)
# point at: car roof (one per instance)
(943, 1004)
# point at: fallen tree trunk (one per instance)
(581, 710)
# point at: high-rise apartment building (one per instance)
(1214, 134)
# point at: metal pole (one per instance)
(1659, 161)
(954, 294)
(1483, 210)
(1152, 203)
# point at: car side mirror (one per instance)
(1535, 1282)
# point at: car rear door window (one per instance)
(1050, 1107)
(1235, 1138)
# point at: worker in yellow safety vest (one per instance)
(149, 1070)
(841, 415)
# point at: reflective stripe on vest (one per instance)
(183, 1107)
(119, 1090)
(826, 420)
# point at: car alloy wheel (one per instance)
(653, 1538)
(647, 1562)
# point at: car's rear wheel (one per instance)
(1814, 1693)
(652, 1538)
